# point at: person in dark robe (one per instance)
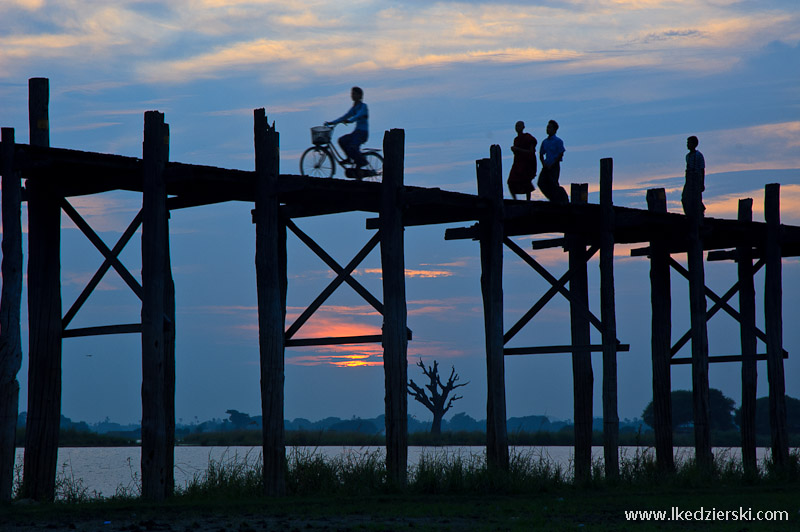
(523, 170)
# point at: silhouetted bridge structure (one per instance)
(53, 176)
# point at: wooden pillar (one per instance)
(490, 189)
(661, 338)
(44, 314)
(10, 303)
(157, 368)
(773, 316)
(693, 207)
(609, 319)
(169, 370)
(747, 312)
(271, 288)
(395, 336)
(582, 376)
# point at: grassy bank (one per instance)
(445, 491)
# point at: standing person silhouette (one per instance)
(695, 175)
(551, 152)
(351, 142)
(523, 170)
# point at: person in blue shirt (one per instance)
(551, 152)
(351, 142)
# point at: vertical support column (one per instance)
(661, 338)
(169, 369)
(693, 207)
(747, 312)
(490, 189)
(395, 336)
(271, 288)
(773, 316)
(44, 313)
(157, 368)
(10, 304)
(609, 317)
(582, 376)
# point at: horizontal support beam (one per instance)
(103, 329)
(549, 243)
(555, 349)
(341, 340)
(462, 233)
(723, 358)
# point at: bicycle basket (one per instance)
(321, 134)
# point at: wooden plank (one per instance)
(44, 316)
(10, 308)
(555, 349)
(582, 375)
(334, 340)
(721, 358)
(270, 283)
(608, 315)
(155, 441)
(747, 327)
(773, 318)
(660, 338)
(395, 314)
(490, 189)
(126, 328)
(693, 207)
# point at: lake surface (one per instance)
(106, 470)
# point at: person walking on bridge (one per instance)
(551, 152)
(523, 170)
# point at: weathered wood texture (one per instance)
(747, 327)
(44, 315)
(490, 189)
(582, 375)
(395, 315)
(271, 287)
(693, 207)
(609, 318)
(661, 338)
(157, 368)
(10, 306)
(773, 317)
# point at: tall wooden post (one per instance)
(661, 338)
(395, 336)
(747, 312)
(582, 376)
(609, 319)
(693, 207)
(44, 314)
(490, 188)
(10, 303)
(271, 288)
(773, 316)
(157, 368)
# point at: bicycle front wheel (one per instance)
(317, 162)
(373, 171)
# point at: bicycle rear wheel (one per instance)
(373, 171)
(317, 162)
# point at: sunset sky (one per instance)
(628, 79)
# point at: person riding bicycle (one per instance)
(351, 142)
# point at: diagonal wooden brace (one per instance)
(342, 275)
(111, 259)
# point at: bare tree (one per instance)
(436, 399)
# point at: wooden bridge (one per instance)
(52, 176)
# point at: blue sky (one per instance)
(628, 79)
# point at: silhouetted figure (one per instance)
(695, 176)
(551, 151)
(351, 142)
(520, 178)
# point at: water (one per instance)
(107, 470)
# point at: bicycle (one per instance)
(320, 159)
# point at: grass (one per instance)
(446, 490)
